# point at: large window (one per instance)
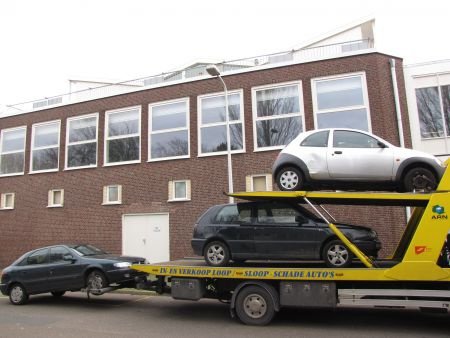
(122, 141)
(45, 147)
(341, 102)
(169, 130)
(212, 124)
(433, 105)
(81, 142)
(12, 151)
(278, 115)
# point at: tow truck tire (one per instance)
(96, 280)
(337, 255)
(290, 179)
(18, 295)
(217, 254)
(254, 306)
(419, 178)
(58, 294)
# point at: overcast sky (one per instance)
(44, 43)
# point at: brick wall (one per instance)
(84, 219)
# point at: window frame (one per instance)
(33, 134)
(109, 138)
(3, 131)
(3, 197)
(186, 100)
(300, 114)
(215, 124)
(172, 191)
(75, 118)
(250, 184)
(365, 95)
(51, 198)
(106, 200)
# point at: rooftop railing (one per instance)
(193, 72)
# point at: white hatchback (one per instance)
(347, 158)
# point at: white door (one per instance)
(146, 235)
(357, 156)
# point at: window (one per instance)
(60, 254)
(433, 105)
(234, 214)
(38, 257)
(259, 182)
(81, 142)
(7, 201)
(180, 190)
(45, 147)
(341, 102)
(319, 139)
(112, 194)
(277, 214)
(277, 115)
(55, 198)
(12, 151)
(351, 139)
(122, 140)
(212, 124)
(169, 130)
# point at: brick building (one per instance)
(132, 172)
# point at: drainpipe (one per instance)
(398, 111)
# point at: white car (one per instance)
(347, 158)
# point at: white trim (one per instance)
(106, 138)
(186, 100)
(75, 118)
(14, 152)
(267, 177)
(33, 132)
(300, 114)
(241, 121)
(51, 198)
(106, 200)
(172, 191)
(3, 197)
(365, 94)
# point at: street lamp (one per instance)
(214, 71)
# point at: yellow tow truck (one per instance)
(417, 274)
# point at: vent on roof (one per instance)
(47, 102)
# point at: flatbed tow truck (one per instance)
(415, 276)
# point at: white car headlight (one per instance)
(122, 265)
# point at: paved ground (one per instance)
(124, 315)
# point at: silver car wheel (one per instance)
(289, 180)
(338, 255)
(216, 254)
(255, 306)
(17, 294)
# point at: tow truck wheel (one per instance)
(217, 254)
(18, 295)
(96, 280)
(254, 306)
(337, 255)
(419, 179)
(290, 179)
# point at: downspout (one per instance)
(398, 111)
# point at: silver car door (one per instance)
(354, 155)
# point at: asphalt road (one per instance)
(123, 315)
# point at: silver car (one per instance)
(347, 158)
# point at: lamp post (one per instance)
(214, 71)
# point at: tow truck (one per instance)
(416, 275)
